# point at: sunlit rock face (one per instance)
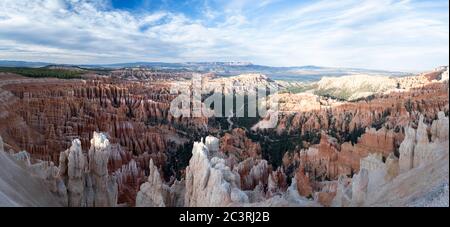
(417, 148)
(104, 187)
(87, 177)
(76, 168)
(210, 182)
(420, 172)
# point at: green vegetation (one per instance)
(44, 72)
(274, 146)
(177, 160)
(379, 123)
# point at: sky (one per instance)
(404, 35)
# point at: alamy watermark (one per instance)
(225, 98)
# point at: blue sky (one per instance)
(407, 35)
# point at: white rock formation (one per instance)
(76, 162)
(392, 167)
(360, 184)
(406, 160)
(210, 183)
(421, 149)
(53, 180)
(152, 193)
(212, 143)
(417, 149)
(343, 196)
(104, 186)
(440, 128)
(371, 176)
(87, 179)
(420, 177)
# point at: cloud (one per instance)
(384, 34)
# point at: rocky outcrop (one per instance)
(152, 193)
(212, 143)
(421, 170)
(87, 177)
(444, 76)
(417, 148)
(242, 83)
(210, 182)
(440, 128)
(104, 187)
(73, 165)
(406, 150)
(301, 102)
(370, 177)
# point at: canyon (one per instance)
(111, 140)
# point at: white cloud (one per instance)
(384, 34)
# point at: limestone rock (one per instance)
(152, 193)
(360, 185)
(406, 159)
(423, 167)
(417, 149)
(343, 196)
(392, 167)
(87, 178)
(210, 182)
(104, 186)
(440, 128)
(76, 162)
(212, 143)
